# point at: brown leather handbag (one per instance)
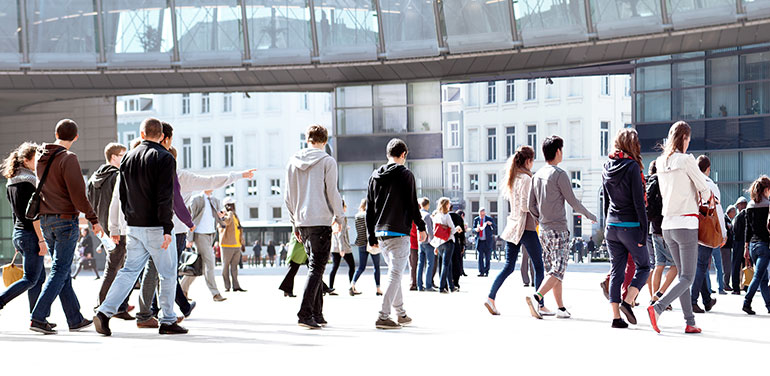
(709, 226)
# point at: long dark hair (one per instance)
(678, 132)
(515, 165)
(758, 188)
(15, 161)
(627, 141)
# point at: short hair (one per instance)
(424, 202)
(396, 148)
(168, 130)
(704, 163)
(152, 128)
(66, 130)
(551, 145)
(113, 148)
(173, 152)
(317, 134)
(460, 212)
(730, 208)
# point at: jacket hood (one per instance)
(616, 168)
(102, 175)
(306, 158)
(47, 151)
(762, 204)
(388, 172)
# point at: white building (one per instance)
(499, 116)
(216, 133)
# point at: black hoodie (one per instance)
(99, 191)
(391, 202)
(623, 191)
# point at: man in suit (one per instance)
(206, 211)
(484, 227)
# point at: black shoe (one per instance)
(353, 292)
(444, 291)
(697, 309)
(413, 288)
(124, 316)
(171, 329)
(53, 326)
(710, 304)
(378, 293)
(456, 289)
(188, 313)
(481, 275)
(44, 328)
(728, 288)
(619, 324)
(308, 323)
(747, 309)
(736, 292)
(85, 323)
(526, 285)
(102, 324)
(628, 311)
(320, 320)
(239, 290)
(227, 290)
(289, 295)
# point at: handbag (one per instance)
(709, 226)
(33, 206)
(748, 275)
(442, 232)
(12, 272)
(191, 264)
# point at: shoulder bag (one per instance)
(709, 228)
(33, 207)
(441, 231)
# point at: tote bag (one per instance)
(11, 272)
(709, 226)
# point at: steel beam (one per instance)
(100, 31)
(313, 30)
(380, 33)
(175, 55)
(245, 28)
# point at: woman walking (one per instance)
(297, 257)
(444, 246)
(757, 248)
(681, 181)
(27, 237)
(341, 250)
(627, 225)
(363, 252)
(521, 225)
(231, 241)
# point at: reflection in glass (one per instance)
(409, 27)
(390, 95)
(424, 118)
(722, 134)
(347, 30)
(138, 31)
(755, 66)
(209, 32)
(354, 96)
(615, 18)
(390, 120)
(688, 104)
(62, 33)
(688, 74)
(693, 13)
(654, 106)
(472, 25)
(723, 101)
(10, 30)
(424, 92)
(279, 31)
(354, 121)
(754, 98)
(653, 77)
(548, 22)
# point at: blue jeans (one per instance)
(621, 242)
(716, 255)
(484, 254)
(141, 244)
(26, 243)
(700, 284)
(426, 254)
(61, 236)
(445, 251)
(534, 250)
(363, 254)
(760, 255)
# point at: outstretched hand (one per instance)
(248, 174)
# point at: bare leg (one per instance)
(670, 276)
(557, 294)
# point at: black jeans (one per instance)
(287, 285)
(737, 261)
(318, 243)
(336, 260)
(457, 263)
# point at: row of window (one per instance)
(272, 103)
(552, 91)
(277, 213)
(473, 179)
(252, 188)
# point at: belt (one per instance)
(389, 237)
(61, 216)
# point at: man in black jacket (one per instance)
(147, 198)
(388, 226)
(99, 193)
(739, 243)
(458, 219)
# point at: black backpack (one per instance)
(654, 199)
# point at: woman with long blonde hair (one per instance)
(445, 247)
(521, 225)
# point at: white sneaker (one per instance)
(562, 314)
(545, 311)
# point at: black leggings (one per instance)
(336, 258)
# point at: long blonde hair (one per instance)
(516, 165)
(442, 206)
(15, 161)
(678, 132)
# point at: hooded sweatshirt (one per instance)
(100, 188)
(623, 191)
(391, 202)
(311, 195)
(64, 191)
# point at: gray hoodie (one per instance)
(311, 194)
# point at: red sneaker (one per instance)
(653, 318)
(692, 329)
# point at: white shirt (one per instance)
(206, 225)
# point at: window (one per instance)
(510, 91)
(205, 103)
(454, 134)
(473, 181)
(186, 153)
(275, 187)
(302, 141)
(303, 102)
(627, 87)
(474, 207)
(531, 90)
(493, 209)
(605, 85)
(604, 138)
(628, 125)
(230, 190)
(454, 176)
(491, 144)
(185, 104)
(254, 213)
(552, 90)
(491, 93)
(473, 143)
(206, 154)
(227, 102)
(532, 137)
(131, 105)
(277, 213)
(491, 182)
(128, 137)
(248, 103)
(510, 141)
(575, 178)
(252, 188)
(229, 156)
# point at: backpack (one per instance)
(654, 199)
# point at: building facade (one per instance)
(216, 133)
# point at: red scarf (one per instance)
(619, 154)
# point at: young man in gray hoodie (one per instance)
(314, 203)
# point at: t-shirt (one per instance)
(206, 225)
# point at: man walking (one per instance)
(550, 188)
(484, 228)
(63, 196)
(739, 243)
(146, 197)
(206, 212)
(313, 203)
(101, 185)
(391, 208)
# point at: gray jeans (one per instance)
(683, 244)
(395, 251)
(204, 244)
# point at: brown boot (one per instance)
(151, 323)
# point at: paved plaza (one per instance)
(257, 331)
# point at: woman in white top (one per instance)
(681, 181)
(444, 247)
